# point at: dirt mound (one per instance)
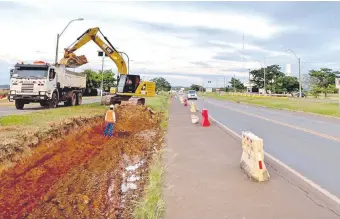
(135, 118)
(82, 175)
(14, 149)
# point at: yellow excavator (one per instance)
(129, 87)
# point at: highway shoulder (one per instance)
(204, 180)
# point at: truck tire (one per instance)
(43, 104)
(73, 99)
(79, 99)
(54, 101)
(19, 104)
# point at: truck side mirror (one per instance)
(52, 74)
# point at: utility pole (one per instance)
(224, 83)
(101, 93)
(299, 60)
(300, 87)
(250, 87)
(264, 77)
(243, 51)
(103, 54)
(234, 84)
(59, 35)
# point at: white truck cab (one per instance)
(46, 84)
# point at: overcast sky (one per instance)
(186, 42)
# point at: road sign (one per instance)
(337, 83)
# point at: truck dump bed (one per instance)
(68, 78)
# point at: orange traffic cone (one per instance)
(205, 118)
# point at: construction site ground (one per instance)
(203, 178)
(71, 170)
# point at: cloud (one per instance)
(187, 39)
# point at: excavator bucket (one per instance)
(74, 61)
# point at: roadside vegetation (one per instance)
(45, 117)
(321, 107)
(152, 205)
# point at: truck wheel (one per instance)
(54, 101)
(73, 99)
(79, 99)
(43, 104)
(19, 104)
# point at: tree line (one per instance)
(94, 79)
(316, 81)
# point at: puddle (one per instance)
(131, 174)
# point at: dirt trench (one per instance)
(84, 175)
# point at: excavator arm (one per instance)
(71, 60)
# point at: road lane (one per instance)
(316, 157)
(30, 108)
(321, 124)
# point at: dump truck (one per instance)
(47, 84)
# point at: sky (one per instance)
(185, 42)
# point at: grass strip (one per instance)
(45, 116)
(152, 205)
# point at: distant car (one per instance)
(302, 94)
(192, 94)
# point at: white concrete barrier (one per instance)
(252, 160)
(181, 99)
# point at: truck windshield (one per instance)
(26, 72)
(191, 92)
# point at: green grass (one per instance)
(152, 205)
(41, 118)
(322, 108)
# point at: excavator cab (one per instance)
(128, 83)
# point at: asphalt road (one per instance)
(307, 143)
(33, 107)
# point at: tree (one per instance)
(272, 73)
(197, 87)
(322, 80)
(161, 84)
(285, 84)
(92, 79)
(108, 79)
(236, 84)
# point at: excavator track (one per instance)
(121, 100)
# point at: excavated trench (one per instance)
(84, 174)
